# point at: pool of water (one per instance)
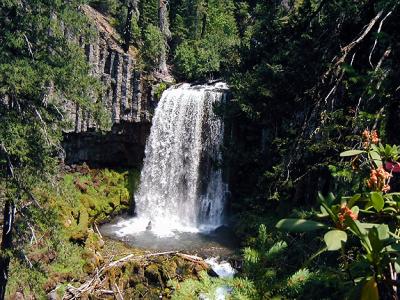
(207, 243)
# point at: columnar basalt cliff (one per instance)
(127, 95)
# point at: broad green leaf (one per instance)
(383, 232)
(378, 236)
(331, 198)
(388, 150)
(375, 148)
(321, 197)
(376, 158)
(333, 216)
(299, 225)
(370, 290)
(324, 213)
(397, 267)
(389, 209)
(353, 200)
(351, 153)
(360, 230)
(392, 248)
(334, 238)
(377, 201)
(355, 210)
(367, 225)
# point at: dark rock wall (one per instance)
(122, 147)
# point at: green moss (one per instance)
(93, 197)
(26, 280)
(69, 248)
(160, 88)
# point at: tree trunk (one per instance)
(6, 245)
(164, 28)
(128, 27)
(204, 21)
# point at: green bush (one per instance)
(362, 222)
(108, 7)
(153, 44)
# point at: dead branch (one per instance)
(98, 231)
(119, 296)
(29, 46)
(194, 259)
(376, 39)
(379, 83)
(362, 35)
(346, 49)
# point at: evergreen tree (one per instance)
(41, 68)
(205, 37)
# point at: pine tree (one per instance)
(41, 68)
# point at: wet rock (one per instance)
(17, 296)
(53, 296)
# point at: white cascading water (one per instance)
(181, 187)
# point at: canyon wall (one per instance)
(127, 96)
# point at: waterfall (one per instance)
(182, 187)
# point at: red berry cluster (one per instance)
(378, 180)
(344, 212)
(370, 137)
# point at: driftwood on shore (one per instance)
(95, 285)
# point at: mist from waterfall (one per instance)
(182, 186)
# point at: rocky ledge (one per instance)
(122, 147)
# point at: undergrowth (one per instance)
(59, 241)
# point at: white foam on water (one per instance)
(223, 269)
(162, 228)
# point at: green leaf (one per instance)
(331, 198)
(299, 225)
(355, 210)
(377, 201)
(324, 213)
(375, 148)
(353, 200)
(356, 226)
(389, 209)
(378, 235)
(351, 153)
(321, 197)
(376, 158)
(397, 267)
(334, 238)
(392, 248)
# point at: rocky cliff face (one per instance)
(127, 96)
(122, 147)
